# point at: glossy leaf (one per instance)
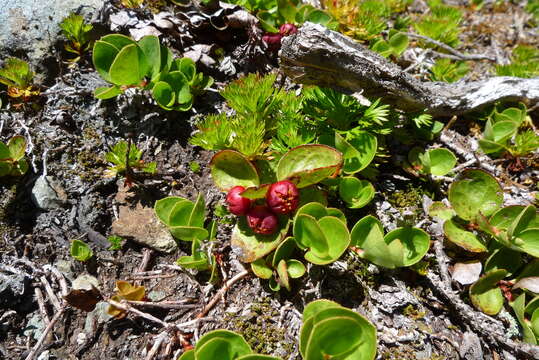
(355, 193)
(230, 168)
(474, 192)
(486, 295)
(463, 238)
(358, 152)
(309, 164)
(251, 246)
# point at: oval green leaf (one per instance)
(230, 168)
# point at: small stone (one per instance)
(98, 316)
(34, 327)
(47, 194)
(156, 295)
(64, 266)
(81, 338)
(12, 289)
(85, 282)
(142, 226)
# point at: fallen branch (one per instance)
(222, 292)
(316, 55)
(48, 329)
(456, 53)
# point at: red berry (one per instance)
(283, 197)
(262, 220)
(288, 29)
(272, 40)
(237, 204)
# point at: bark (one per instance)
(316, 55)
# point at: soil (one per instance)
(69, 132)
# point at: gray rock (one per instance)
(85, 282)
(35, 326)
(97, 316)
(65, 267)
(142, 225)
(47, 194)
(12, 288)
(157, 295)
(31, 26)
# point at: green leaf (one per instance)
(440, 210)
(261, 269)
(415, 243)
(287, 10)
(230, 168)
(164, 95)
(17, 147)
(126, 67)
(398, 43)
(253, 246)
(309, 164)
(103, 56)
(105, 93)
(355, 193)
(308, 234)
(283, 251)
(522, 222)
(188, 355)
(528, 242)
(151, 49)
(80, 251)
(331, 331)
(504, 258)
(442, 161)
(295, 268)
(221, 344)
(164, 207)
(358, 151)
(518, 306)
(463, 238)
(475, 192)
(486, 295)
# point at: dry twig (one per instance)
(220, 294)
(48, 329)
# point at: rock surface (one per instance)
(47, 194)
(141, 225)
(31, 26)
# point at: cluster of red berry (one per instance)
(274, 40)
(282, 198)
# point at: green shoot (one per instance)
(524, 63)
(17, 76)
(447, 71)
(115, 242)
(80, 251)
(118, 156)
(78, 33)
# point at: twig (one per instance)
(464, 165)
(222, 292)
(61, 280)
(50, 293)
(456, 53)
(41, 305)
(142, 277)
(162, 304)
(156, 346)
(49, 327)
(126, 307)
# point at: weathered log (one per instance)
(316, 55)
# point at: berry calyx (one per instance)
(237, 204)
(283, 197)
(262, 220)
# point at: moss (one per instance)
(359, 268)
(88, 159)
(6, 204)
(411, 197)
(260, 328)
(413, 313)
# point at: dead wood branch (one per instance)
(457, 54)
(45, 333)
(221, 293)
(316, 55)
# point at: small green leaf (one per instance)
(261, 269)
(463, 238)
(415, 243)
(355, 193)
(17, 147)
(486, 295)
(151, 49)
(80, 251)
(440, 210)
(518, 306)
(125, 69)
(103, 56)
(164, 95)
(474, 192)
(105, 93)
(230, 168)
(358, 151)
(442, 161)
